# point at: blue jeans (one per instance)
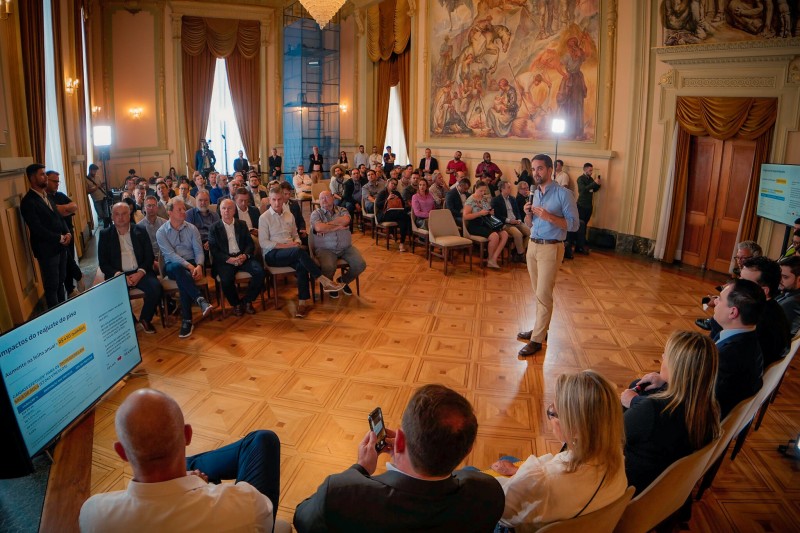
(187, 289)
(298, 259)
(328, 258)
(256, 459)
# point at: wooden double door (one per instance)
(719, 174)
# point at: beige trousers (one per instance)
(521, 234)
(543, 262)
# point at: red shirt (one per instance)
(454, 166)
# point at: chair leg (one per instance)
(275, 288)
(740, 440)
(708, 478)
(761, 413)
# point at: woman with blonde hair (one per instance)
(587, 475)
(665, 426)
(526, 171)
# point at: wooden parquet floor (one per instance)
(314, 381)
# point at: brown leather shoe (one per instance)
(237, 310)
(524, 336)
(530, 349)
(302, 310)
(249, 309)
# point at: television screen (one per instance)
(56, 366)
(779, 193)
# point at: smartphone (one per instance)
(376, 424)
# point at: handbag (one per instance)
(492, 222)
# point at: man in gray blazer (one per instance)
(420, 489)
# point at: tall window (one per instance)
(395, 134)
(223, 130)
(53, 159)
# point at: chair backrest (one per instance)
(465, 231)
(666, 494)
(728, 429)
(321, 186)
(311, 243)
(213, 207)
(441, 224)
(600, 521)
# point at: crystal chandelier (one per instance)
(322, 10)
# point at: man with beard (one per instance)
(455, 165)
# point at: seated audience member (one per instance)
(403, 181)
(789, 298)
(773, 328)
(245, 211)
(199, 184)
(126, 249)
(438, 189)
(232, 250)
(411, 190)
(454, 166)
(422, 204)
(506, 209)
(371, 190)
(476, 207)
(741, 362)
(523, 195)
(587, 476)
(342, 189)
(163, 190)
(343, 159)
(294, 208)
(183, 261)
(202, 217)
(795, 246)
(151, 222)
(332, 241)
(138, 198)
(221, 188)
(420, 489)
(456, 198)
(359, 179)
(172, 492)
(678, 421)
(302, 183)
(390, 207)
(257, 191)
(171, 186)
(280, 244)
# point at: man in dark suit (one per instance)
(275, 165)
(49, 236)
(246, 211)
(204, 159)
(126, 249)
(454, 200)
(789, 298)
(421, 490)
(240, 164)
(741, 363)
(232, 250)
(428, 164)
(506, 209)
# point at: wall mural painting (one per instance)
(720, 21)
(506, 68)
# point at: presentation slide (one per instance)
(58, 364)
(779, 193)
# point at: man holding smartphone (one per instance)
(550, 213)
(420, 489)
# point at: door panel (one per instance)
(705, 158)
(735, 172)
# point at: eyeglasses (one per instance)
(551, 412)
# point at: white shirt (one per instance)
(244, 216)
(375, 160)
(274, 228)
(128, 256)
(302, 183)
(182, 504)
(361, 159)
(542, 491)
(563, 179)
(230, 231)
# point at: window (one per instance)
(395, 134)
(223, 130)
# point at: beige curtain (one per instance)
(203, 40)
(31, 21)
(403, 66)
(721, 118)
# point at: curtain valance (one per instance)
(388, 29)
(724, 118)
(220, 36)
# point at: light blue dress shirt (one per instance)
(560, 202)
(180, 245)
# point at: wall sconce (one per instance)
(343, 108)
(96, 110)
(72, 85)
(136, 112)
(5, 9)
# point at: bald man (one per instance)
(170, 492)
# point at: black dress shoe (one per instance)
(249, 309)
(238, 310)
(147, 326)
(703, 323)
(530, 349)
(524, 335)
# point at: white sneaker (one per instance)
(329, 286)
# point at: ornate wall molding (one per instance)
(767, 44)
(763, 81)
(667, 79)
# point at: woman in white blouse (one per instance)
(587, 475)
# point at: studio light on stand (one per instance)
(102, 144)
(558, 126)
